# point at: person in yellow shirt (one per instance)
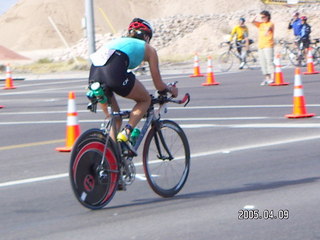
(265, 45)
(240, 33)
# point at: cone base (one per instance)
(279, 84)
(210, 84)
(300, 115)
(7, 88)
(198, 75)
(309, 73)
(64, 149)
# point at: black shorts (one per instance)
(113, 76)
(304, 43)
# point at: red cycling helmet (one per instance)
(140, 28)
(304, 18)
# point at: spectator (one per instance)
(296, 25)
(265, 45)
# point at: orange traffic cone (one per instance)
(1, 106)
(210, 75)
(310, 64)
(278, 75)
(9, 81)
(73, 128)
(196, 67)
(299, 109)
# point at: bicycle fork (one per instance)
(159, 140)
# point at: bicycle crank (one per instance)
(129, 174)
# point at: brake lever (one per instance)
(186, 99)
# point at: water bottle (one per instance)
(134, 136)
(98, 92)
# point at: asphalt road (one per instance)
(245, 155)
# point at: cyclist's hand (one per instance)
(173, 90)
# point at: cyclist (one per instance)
(304, 36)
(241, 33)
(110, 66)
(296, 25)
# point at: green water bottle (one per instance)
(98, 92)
(134, 136)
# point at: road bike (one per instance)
(288, 53)
(316, 51)
(227, 58)
(99, 166)
(294, 52)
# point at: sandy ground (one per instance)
(25, 28)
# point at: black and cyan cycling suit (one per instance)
(112, 70)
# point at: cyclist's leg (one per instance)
(142, 98)
(239, 48)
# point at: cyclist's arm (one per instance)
(233, 32)
(290, 24)
(151, 57)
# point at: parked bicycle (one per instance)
(227, 58)
(99, 166)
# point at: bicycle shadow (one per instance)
(250, 187)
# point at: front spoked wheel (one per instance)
(94, 184)
(252, 59)
(225, 61)
(166, 158)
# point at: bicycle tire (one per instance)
(86, 156)
(225, 61)
(297, 58)
(316, 56)
(284, 58)
(166, 177)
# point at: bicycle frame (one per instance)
(152, 119)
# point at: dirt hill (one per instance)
(26, 26)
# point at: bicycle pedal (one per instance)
(121, 186)
(127, 150)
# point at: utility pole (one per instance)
(90, 26)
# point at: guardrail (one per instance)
(290, 1)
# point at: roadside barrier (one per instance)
(72, 128)
(278, 75)
(299, 108)
(310, 64)
(210, 75)
(9, 81)
(196, 67)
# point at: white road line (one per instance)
(32, 180)
(189, 126)
(193, 156)
(170, 108)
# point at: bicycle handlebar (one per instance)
(185, 100)
(162, 99)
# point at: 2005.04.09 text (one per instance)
(255, 214)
